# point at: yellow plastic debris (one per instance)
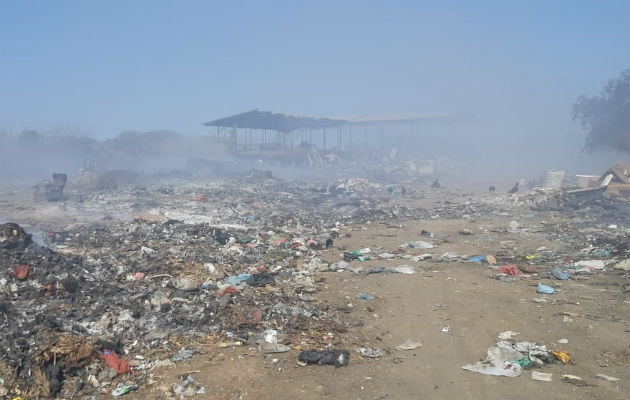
(229, 344)
(563, 356)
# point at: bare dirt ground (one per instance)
(459, 295)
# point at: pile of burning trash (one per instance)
(105, 303)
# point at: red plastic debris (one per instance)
(279, 241)
(139, 275)
(116, 363)
(201, 199)
(256, 206)
(229, 290)
(258, 269)
(509, 269)
(21, 271)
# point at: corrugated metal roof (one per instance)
(285, 122)
(280, 122)
(384, 118)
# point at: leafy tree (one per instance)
(606, 117)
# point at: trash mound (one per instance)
(13, 237)
(101, 307)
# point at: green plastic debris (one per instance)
(123, 389)
(523, 362)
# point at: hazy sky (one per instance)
(110, 66)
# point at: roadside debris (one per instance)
(605, 377)
(507, 335)
(338, 358)
(371, 352)
(557, 273)
(509, 270)
(123, 389)
(408, 345)
(563, 356)
(188, 387)
(509, 359)
(545, 289)
(541, 376)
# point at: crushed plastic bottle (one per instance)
(122, 389)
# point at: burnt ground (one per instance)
(89, 240)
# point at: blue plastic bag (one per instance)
(544, 289)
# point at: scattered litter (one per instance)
(605, 377)
(509, 270)
(224, 345)
(541, 376)
(591, 264)
(499, 362)
(339, 266)
(183, 354)
(624, 265)
(408, 345)
(123, 389)
(507, 335)
(187, 388)
(237, 279)
(571, 378)
(364, 296)
(186, 284)
(21, 271)
(420, 244)
(261, 279)
(146, 250)
(563, 356)
(545, 289)
(422, 257)
(507, 359)
(371, 352)
(269, 348)
(200, 269)
(338, 358)
(559, 274)
(403, 269)
(449, 256)
(116, 363)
